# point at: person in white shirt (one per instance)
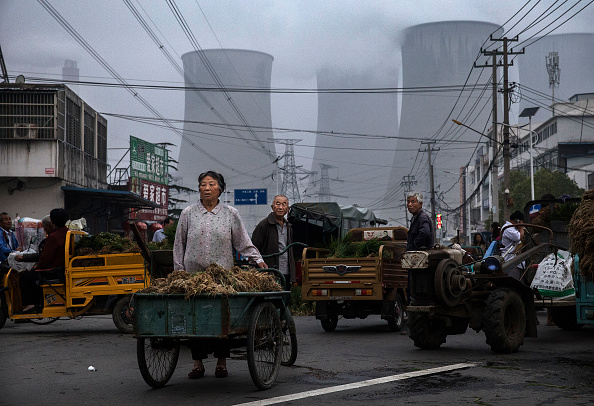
(511, 237)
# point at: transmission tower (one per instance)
(554, 71)
(289, 186)
(407, 182)
(325, 193)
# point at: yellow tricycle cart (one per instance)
(91, 285)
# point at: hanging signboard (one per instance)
(156, 193)
(148, 161)
(148, 178)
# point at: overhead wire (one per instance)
(66, 25)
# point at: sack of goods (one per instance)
(553, 277)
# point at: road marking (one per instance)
(355, 385)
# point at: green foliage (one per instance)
(545, 182)
(104, 243)
(167, 243)
(297, 306)
(346, 248)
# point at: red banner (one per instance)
(156, 193)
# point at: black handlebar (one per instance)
(285, 250)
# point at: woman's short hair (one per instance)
(46, 221)
(215, 175)
(415, 194)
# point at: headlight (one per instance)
(492, 264)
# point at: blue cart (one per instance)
(252, 319)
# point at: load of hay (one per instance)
(214, 280)
(581, 234)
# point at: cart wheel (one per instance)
(397, 321)
(504, 321)
(123, 315)
(43, 320)
(264, 345)
(565, 317)
(289, 354)
(427, 332)
(157, 358)
(3, 310)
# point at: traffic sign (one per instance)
(251, 196)
(535, 208)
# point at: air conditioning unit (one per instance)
(25, 130)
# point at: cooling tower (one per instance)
(433, 55)
(229, 131)
(576, 59)
(360, 160)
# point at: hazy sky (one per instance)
(301, 36)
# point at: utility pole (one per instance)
(407, 182)
(431, 185)
(506, 90)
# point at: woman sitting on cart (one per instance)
(206, 233)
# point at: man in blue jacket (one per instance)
(8, 241)
(420, 234)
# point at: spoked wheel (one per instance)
(43, 320)
(289, 353)
(157, 359)
(123, 314)
(264, 345)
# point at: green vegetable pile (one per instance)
(346, 248)
(104, 243)
(167, 243)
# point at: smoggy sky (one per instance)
(302, 36)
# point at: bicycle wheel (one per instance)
(289, 353)
(264, 345)
(157, 359)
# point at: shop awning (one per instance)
(124, 199)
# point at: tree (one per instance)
(545, 183)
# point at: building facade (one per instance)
(563, 143)
(49, 138)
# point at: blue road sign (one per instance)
(535, 208)
(251, 196)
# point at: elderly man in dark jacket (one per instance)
(274, 234)
(420, 234)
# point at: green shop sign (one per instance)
(148, 161)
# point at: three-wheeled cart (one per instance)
(252, 319)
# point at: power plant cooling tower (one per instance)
(227, 130)
(356, 137)
(440, 54)
(576, 61)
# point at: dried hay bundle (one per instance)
(581, 234)
(214, 280)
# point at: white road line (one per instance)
(355, 385)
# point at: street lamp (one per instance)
(529, 112)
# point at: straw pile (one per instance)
(581, 234)
(214, 280)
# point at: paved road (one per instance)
(48, 365)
